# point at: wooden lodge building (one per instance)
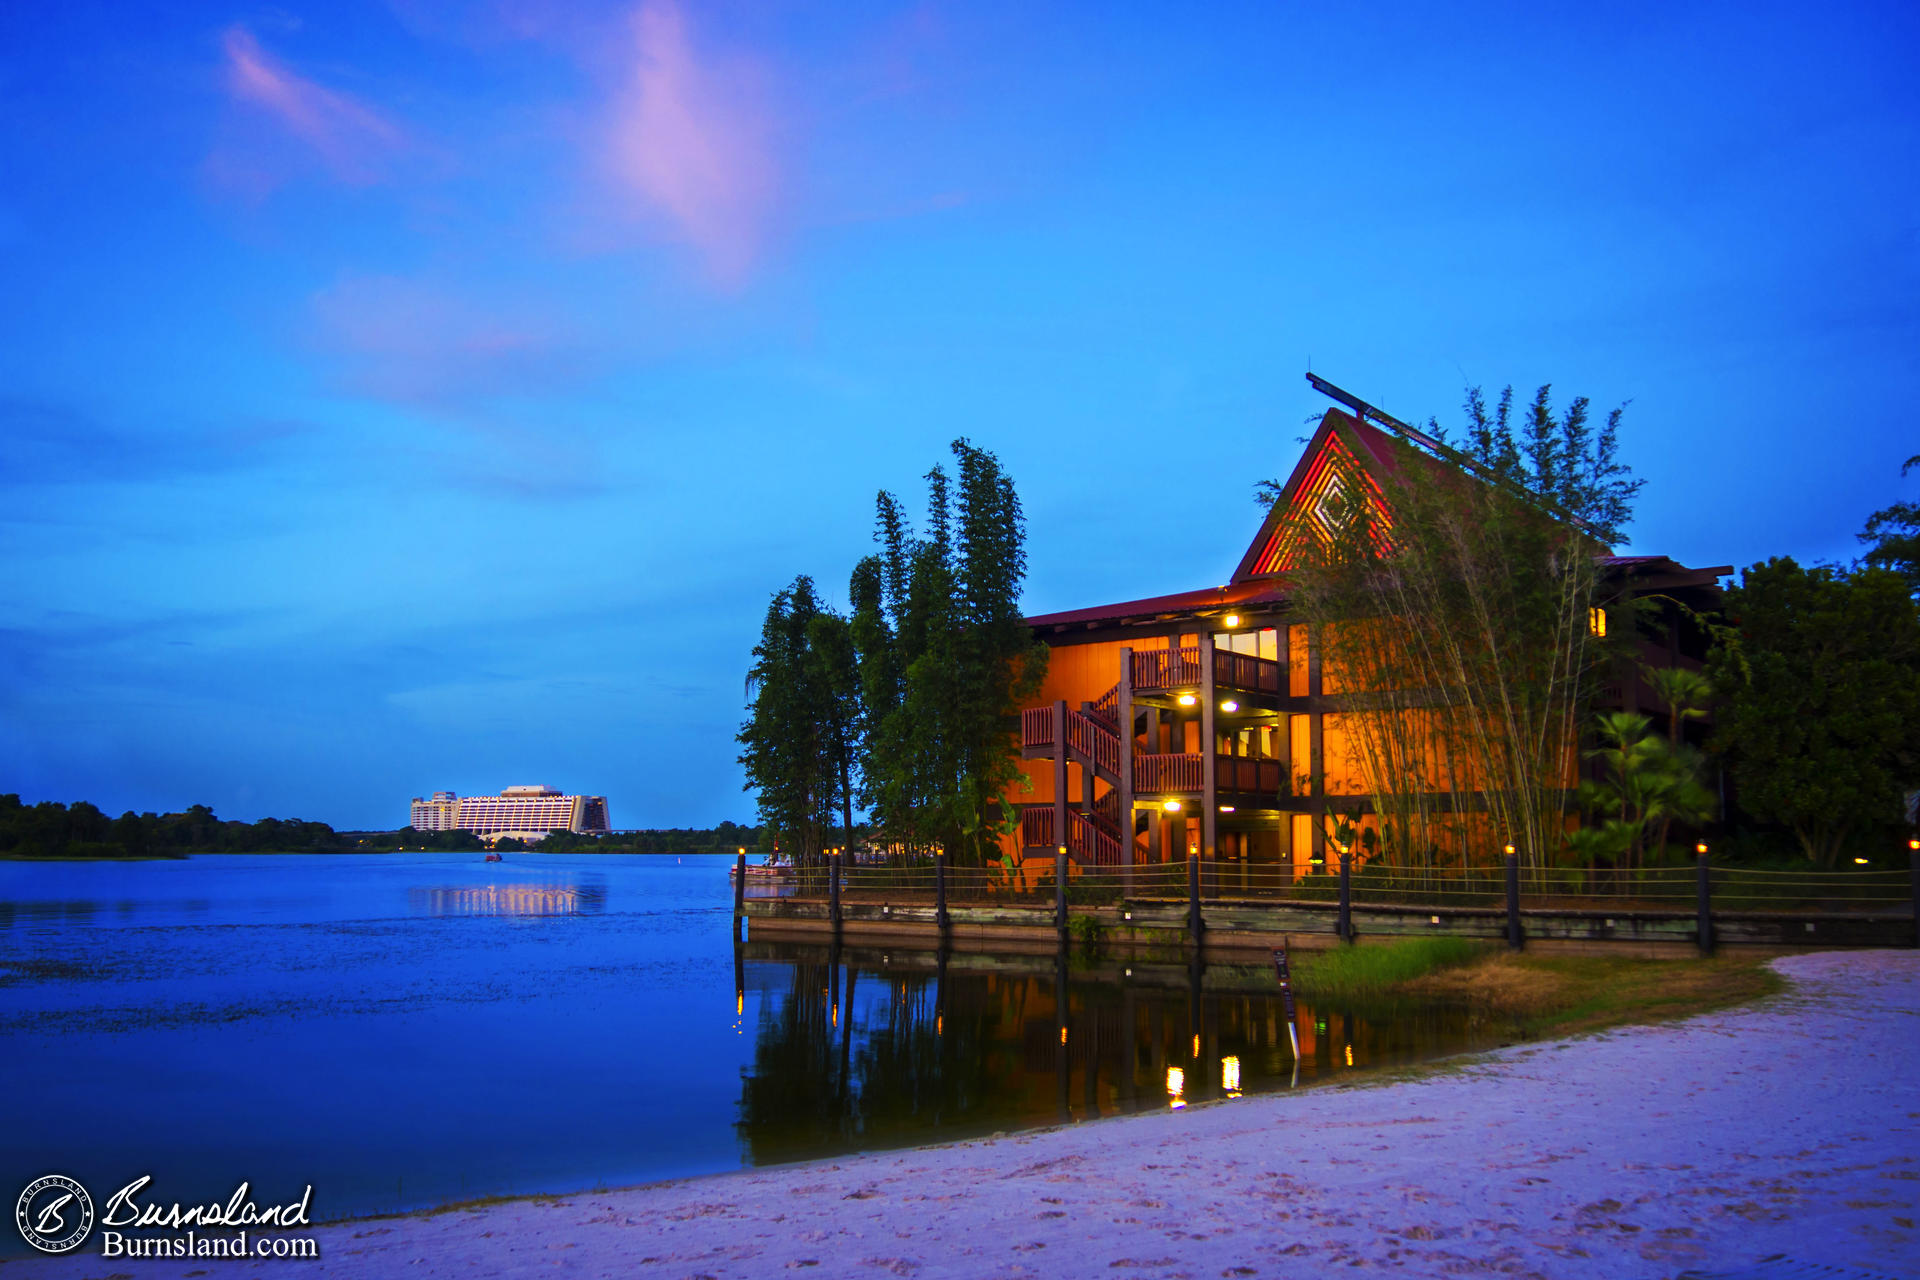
(1198, 724)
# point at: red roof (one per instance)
(1263, 592)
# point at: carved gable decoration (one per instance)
(1321, 495)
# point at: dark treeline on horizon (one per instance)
(81, 830)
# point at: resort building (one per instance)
(525, 813)
(1202, 724)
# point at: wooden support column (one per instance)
(1316, 750)
(1209, 761)
(1060, 772)
(1086, 772)
(1123, 709)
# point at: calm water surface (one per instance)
(408, 1029)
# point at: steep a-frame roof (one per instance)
(1344, 448)
(1328, 463)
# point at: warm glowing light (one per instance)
(1230, 1073)
(1349, 1055)
(1176, 1087)
(1196, 1045)
(1233, 619)
(1229, 705)
(1171, 806)
(739, 1003)
(1701, 848)
(939, 1024)
(743, 850)
(1509, 851)
(1063, 1035)
(1859, 862)
(1597, 621)
(1188, 699)
(1913, 844)
(1226, 808)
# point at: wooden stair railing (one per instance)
(1088, 841)
(1091, 740)
(1106, 709)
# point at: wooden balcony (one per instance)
(1157, 669)
(1180, 774)
(1166, 668)
(1234, 774)
(1036, 727)
(1167, 772)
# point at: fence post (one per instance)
(940, 917)
(833, 890)
(1060, 890)
(1704, 930)
(1515, 938)
(739, 890)
(1345, 925)
(1196, 925)
(1913, 869)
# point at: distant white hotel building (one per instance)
(525, 813)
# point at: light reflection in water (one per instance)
(508, 900)
(856, 1048)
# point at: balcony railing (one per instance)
(1239, 774)
(1036, 828)
(1178, 771)
(1244, 671)
(1036, 727)
(1166, 668)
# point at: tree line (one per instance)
(81, 830)
(901, 706)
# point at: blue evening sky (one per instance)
(430, 394)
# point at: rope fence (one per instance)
(1603, 889)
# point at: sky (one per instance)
(431, 394)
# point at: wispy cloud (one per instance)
(353, 142)
(691, 139)
(414, 342)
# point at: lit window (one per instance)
(1597, 621)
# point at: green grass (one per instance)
(1356, 972)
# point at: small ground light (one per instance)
(1859, 862)
(1914, 845)
(1701, 848)
(1509, 851)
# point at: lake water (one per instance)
(410, 1029)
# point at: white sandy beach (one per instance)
(1789, 1127)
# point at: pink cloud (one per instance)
(692, 140)
(355, 143)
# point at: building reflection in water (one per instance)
(858, 1047)
(508, 900)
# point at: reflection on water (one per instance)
(507, 900)
(342, 1021)
(864, 1048)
